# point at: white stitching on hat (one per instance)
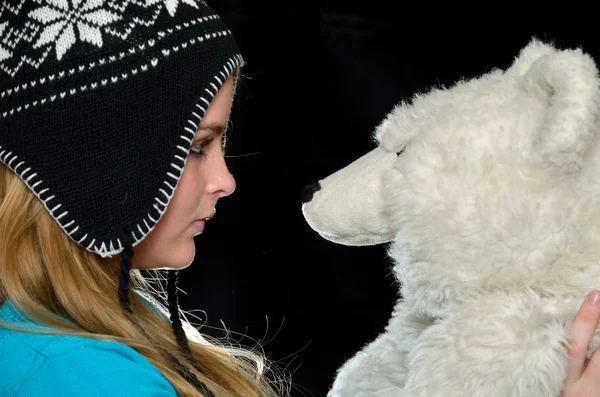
(102, 250)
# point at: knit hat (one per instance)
(99, 102)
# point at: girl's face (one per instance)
(205, 179)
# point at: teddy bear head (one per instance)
(494, 178)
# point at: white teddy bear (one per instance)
(488, 194)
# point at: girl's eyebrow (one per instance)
(215, 128)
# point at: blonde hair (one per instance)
(49, 278)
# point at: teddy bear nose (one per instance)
(309, 191)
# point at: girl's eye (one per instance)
(197, 149)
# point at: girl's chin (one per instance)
(177, 259)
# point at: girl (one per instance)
(112, 118)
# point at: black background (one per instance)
(319, 78)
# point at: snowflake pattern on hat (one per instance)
(60, 24)
(60, 18)
(4, 52)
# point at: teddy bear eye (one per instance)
(401, 151)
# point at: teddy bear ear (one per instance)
(533, 51)
(565, 83)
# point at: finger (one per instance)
(592, 371)
(581, 332)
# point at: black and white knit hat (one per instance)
(99, 102)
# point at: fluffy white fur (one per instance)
(492, 215)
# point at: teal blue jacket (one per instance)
(63, 366)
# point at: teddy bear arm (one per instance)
(471, 354)
(379, 369)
